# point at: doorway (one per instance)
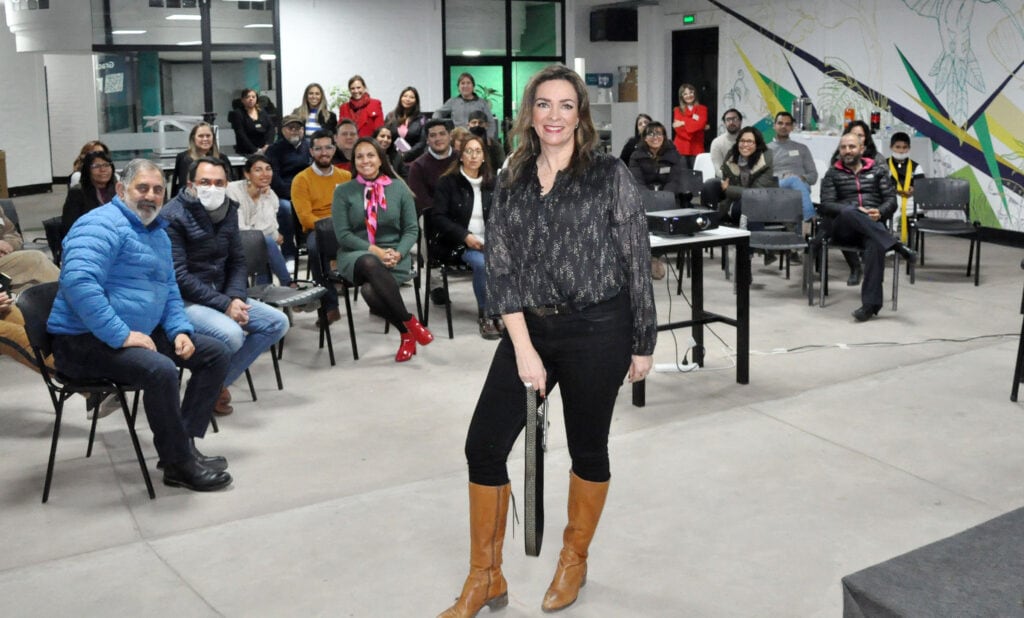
(695, 61)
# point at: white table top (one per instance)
(719, 233)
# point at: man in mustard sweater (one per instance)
(312, 194)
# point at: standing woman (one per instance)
(254, 130)
(462, 202)
(361, 107)
(201, 143)
(642, 120)
(688, 122)
(257, 210)
(458, 108)
(314, 111)
(577, 313)
(375, 223)
(385, 138)
(407, 124)
(96, 188)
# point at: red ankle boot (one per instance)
(420, 332)
(407, 349)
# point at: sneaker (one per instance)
(488, 329)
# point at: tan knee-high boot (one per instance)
(586, 501)
(485, 585)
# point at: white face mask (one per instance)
(900, 156)
(210, 197)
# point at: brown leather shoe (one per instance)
(223, 406)
(586, 501)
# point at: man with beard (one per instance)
(857, 198)
(793, 162)
(209, 264)
(288, 157)
(427, 169)
(720, 146)
(118, 315)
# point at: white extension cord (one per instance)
(675, 367)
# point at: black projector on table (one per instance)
(681, 221)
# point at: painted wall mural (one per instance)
(948, 70)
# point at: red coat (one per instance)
(366, 112)
(689, 138)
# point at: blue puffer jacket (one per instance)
(117, 277)
(208, 258)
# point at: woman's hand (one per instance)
(474, 242)
(639, 368)
(677, 123)
(531, 368)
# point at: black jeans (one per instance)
(852, 227)
(588, 353)
(85, 356)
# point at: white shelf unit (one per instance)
(614, 123)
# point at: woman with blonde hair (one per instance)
(314, 111)
(202, 142)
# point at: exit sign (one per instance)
(689, 20)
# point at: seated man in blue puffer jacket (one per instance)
(118, 315)
(210, 267)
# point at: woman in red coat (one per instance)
(364, 110)
(688, 122)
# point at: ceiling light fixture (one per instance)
(471, 52)
(183, 18)
(128, 32)
(258, 26)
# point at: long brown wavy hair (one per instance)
(585, 135)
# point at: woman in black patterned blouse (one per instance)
(568, 263)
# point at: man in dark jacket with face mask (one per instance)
(210, 268)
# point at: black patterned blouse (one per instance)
(582, 243)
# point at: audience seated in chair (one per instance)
(749, 164)
(25, 267)
(210, 268)
(95, 189)
(257, 210)
(655, 161)
(118, 315)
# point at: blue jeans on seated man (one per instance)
(475, 260)
(794, 182)
(266, 326)
(173, 424)
(313, 255)
(277, 265)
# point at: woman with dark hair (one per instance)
(642, 120)
(314, 111)
(861, 128)
(202, 142)
(655, 161)
(407, 124)
(385, 138)
(748, 164)
(568, 271)
(257, 210)
(96, 188)
(375, 222)
(76, 167)
(254, 130)
(462, 201)
(361, 107)
(458, 108)
(688, 122)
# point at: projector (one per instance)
(682, 221)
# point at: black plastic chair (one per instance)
(946, 194)
(35, 304)
(257, 263)
(823, 242)
(780, 213)
(1018, 372)
(687, 185)
(327, 247)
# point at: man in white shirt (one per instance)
(720, 146)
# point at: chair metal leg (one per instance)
(213, 423)
(252, 389)
(277, 369)
(895, 280)
(92, 425)
(58, 412)
(351, 325)
(325, 332)
(977, 261)
(425, 319)
(1018, 372)
(447, 303)
(129, 419)
(823, 271)
(418, 296)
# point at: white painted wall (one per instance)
(72, 101)
(23, 131)
(391, 43)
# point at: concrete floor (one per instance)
(852, 443)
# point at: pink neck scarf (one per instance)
(374, 198)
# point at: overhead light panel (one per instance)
(258, 26)
(187, 43)
(471, 52)
(268, 56)
(180, 17)
(128, 32)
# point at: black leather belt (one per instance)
(548, 310)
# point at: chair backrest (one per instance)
(254, 245)
(654, 201)
(54, 230)
(704, 165)
(943, 194)
(686, 181)
(35, 304)
(11, 213)
(326, 243)
(773, 205)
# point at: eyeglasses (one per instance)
(473, 152)
(100, 166)
(655, 134)
(747, 141)
(731, 119)
(328, 148)
(206, 182)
